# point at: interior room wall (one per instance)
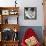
(31, 3)
(26, 3)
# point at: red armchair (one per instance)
(28, 34)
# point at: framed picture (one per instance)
(13, 20)
(5, 12)
(10, 19)
(13, 12)
(30, 13)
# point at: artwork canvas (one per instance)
(30, 12)
(5, 12)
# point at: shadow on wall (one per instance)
(37, 29)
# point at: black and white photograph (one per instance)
(30, 12)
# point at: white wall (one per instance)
(27, 3)
(32, 3)
(6, 3)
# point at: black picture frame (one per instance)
(30, 13)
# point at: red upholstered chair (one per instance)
(29, 33)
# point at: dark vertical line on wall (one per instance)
(1, 19)
(17, 20)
